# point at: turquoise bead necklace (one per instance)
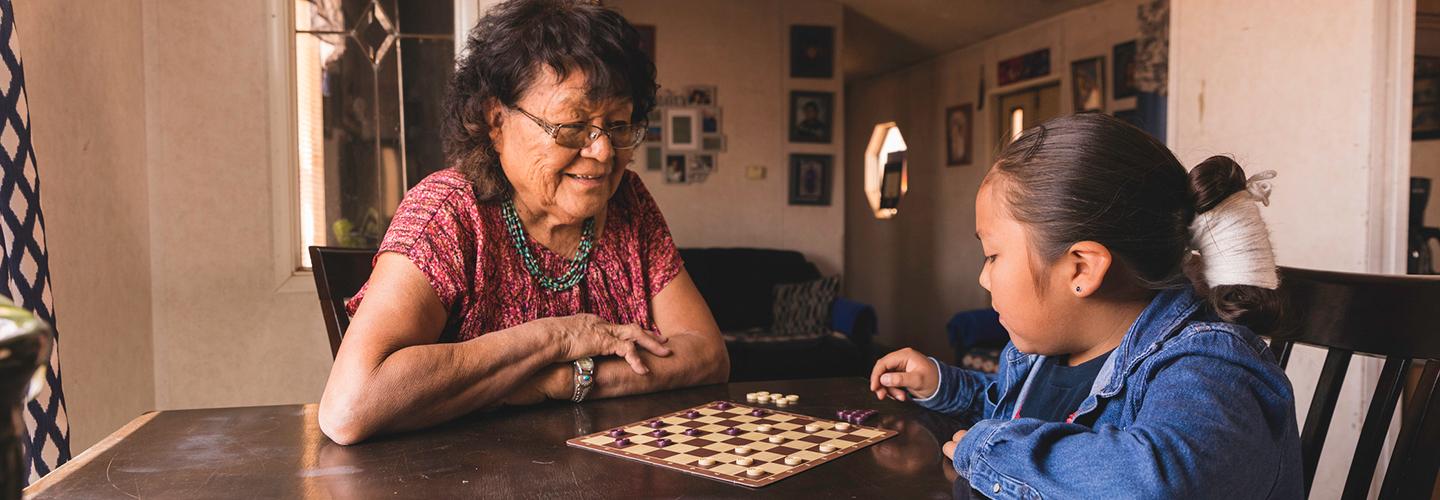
(573, 275)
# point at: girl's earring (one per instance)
(1077, 289)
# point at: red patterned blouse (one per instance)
(462, 247)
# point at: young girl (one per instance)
(1124, 377)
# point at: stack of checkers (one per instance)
(777, 399)
(856, 417)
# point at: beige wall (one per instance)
(922, 266)
(741, 47)
(1342, 166)
(223, 335)
(83, 65)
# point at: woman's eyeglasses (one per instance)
(580, 135)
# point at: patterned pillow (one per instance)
(802, 308)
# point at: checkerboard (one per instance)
(684, 453)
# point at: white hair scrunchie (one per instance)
(1233, 241)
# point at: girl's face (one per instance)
(1034, 315)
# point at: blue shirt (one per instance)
(1058, 389)
(1185, 407)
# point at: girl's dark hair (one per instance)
(1093, 177)
(505, 54)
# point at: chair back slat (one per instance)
(339, 275)
(1322, 407)
(1389, 316)
(1416, 459)
(1372, 433)
(1282, 351)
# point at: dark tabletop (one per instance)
(279, 451)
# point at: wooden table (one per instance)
(279, 452)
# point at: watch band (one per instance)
(584, 378)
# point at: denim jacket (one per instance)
(1185, 407)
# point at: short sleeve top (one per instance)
(463, 249)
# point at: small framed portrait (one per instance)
(811, 116)
(682, 129)
(656, 121)
(1425, 99)
(1087, 84)
(958, 120)
(701, 95)
(674, 169)
(700, 166)
(712, 143)
(710, 120)
(812, 51)
(1124, 59)
(653, 158)
(810, 179)
(647, 39)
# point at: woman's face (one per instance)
(1031, 315)
(565, 184)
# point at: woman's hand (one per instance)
(901, 371)
(584, 335)
(949, 448)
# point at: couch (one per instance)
(738, 284)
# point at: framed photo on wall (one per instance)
(682, 130)
(1087, 84)
(647, 39)
(1023, 67)
(1425, 102)
(653, 158)
(811, 116)
(958, 120)
(1124, 58)
(674, 169)
(810, 179)
(812, 51)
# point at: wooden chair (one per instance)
(339, 274)
(1394, 317)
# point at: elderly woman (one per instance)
(536, 267)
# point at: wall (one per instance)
(1338, 202)
(224, 335)
(89, 137)
(922, 266)
(751, 70)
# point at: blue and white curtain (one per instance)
(25, 263)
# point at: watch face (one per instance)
(586, 363)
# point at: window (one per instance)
(370, 78)
(885, 142)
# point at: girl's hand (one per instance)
(949, 448)
(585, 335)
(903, 373)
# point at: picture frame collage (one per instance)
(811, 115)
(685, 138)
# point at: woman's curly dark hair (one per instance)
(504, 54)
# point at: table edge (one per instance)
(89, 454)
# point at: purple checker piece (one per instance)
(656, 424)
(692, 432)
(663, 442)
(722, 405)
(692, 414)
(758, 413)
(659, 433)
(615, 433)
(622, 442)
(733, 431)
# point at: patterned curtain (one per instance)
(25, 261)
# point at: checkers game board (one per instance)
(687, 439)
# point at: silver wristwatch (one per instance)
(584, 378)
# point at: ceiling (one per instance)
(883, 35)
